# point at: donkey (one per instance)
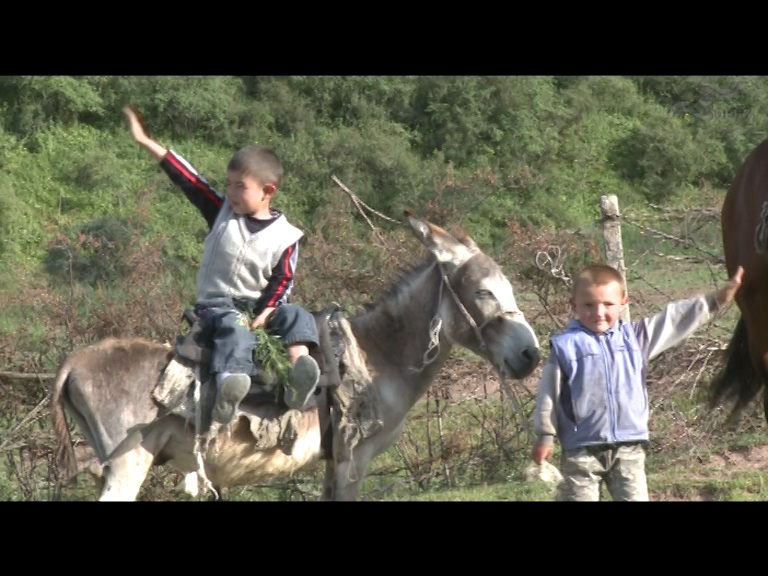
(389, 355)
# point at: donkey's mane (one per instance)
(403, 279)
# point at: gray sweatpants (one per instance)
(620, 466)
(233, 342)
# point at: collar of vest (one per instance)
(575, 324)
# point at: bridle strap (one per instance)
(479, 332)
(437, 321)
(475, 327)
(478, 329)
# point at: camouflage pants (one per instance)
(621, 467)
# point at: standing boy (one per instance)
(592, 392)
(248, 265)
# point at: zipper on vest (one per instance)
(608, 383)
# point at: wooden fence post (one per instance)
(614, 252)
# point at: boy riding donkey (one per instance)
(247, 270)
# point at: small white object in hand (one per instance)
(544, 472)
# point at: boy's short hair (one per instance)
(259, 162)
(597, 275)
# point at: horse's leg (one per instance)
(753, 302)
(758, 346)
(746, 364)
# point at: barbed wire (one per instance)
(551, 260)
(684, 241)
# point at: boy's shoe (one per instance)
(231, 392)
(302, 381)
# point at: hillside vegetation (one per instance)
(96, 241)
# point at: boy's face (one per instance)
(598, 307)
(247, 195)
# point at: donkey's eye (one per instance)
(484, 294)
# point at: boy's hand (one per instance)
(726, 293)
(540, 453)
(262, 318)
(157, 150)
(137, 130)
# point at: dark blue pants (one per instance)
(233, 342)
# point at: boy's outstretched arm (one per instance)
(679, 319)
(157, 150)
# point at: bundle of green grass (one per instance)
(270, 355)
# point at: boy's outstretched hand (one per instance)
(137, 130)
(157, 150)
(727, 292)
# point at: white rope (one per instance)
(555, 265)
(434, 336)
(198, 440)
(515, 403)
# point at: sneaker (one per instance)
(302, 382)
(231, 392)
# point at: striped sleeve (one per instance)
(281, 282)
(195, 187)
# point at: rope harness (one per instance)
(437, 322)
(434, 337)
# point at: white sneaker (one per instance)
(302, 381)
(231, 392)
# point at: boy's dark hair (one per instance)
(597, 275)
(259, 162)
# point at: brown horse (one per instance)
(744, 222)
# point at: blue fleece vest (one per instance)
(603, 397)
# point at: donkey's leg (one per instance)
(349, 476)
(129, 464)
(329, 481)
(352, 467)
(189, 484)
(124, 475)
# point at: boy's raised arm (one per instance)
(679, 319)
(157, 150)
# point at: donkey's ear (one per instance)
(420, 227)
(445, 247)
(466, 239)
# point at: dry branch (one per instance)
(359, 204)
(25, 376)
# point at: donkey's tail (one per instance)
(737, 380)
(65, 452)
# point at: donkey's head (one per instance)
(478, 308)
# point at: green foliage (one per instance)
(503, 121)
(35, 103)
(351, 100)
(191, 107)
(375, 162)
(271, 355)
(91, 254)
